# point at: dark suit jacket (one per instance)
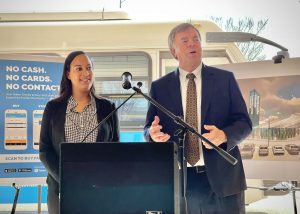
(53, 134)
(222, 105)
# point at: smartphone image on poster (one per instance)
(37, 117)
(15, 133)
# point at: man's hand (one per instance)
(155, 132)
(215, 135)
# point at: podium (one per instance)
(119, 178)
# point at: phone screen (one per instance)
(36, 127)
(15, 129)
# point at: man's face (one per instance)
(187, 48)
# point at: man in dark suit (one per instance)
(213, 184)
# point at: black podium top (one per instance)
(111, 178)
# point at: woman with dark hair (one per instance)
(71, 116)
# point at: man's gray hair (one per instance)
(180, 28)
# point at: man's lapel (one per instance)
(208, 81)
(175, 94)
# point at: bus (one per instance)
(115, 47)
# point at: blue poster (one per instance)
(26, 86)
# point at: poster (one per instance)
(27, 83)
(272, 94)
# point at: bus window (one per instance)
(108, 69)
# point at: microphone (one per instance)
(126, 79)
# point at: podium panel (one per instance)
(119, 178)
